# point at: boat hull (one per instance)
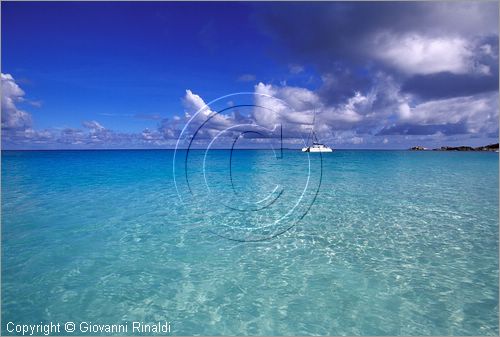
(320, 150)
(315, 149)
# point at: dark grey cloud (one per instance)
(419, 130)
(342, 82)
(482, 78)
(421, 67)
(348, 41)
(325, 33)
(445, 85)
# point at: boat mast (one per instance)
(312, 134)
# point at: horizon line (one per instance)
(229, 149)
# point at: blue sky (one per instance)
(131, 74)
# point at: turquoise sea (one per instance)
(351, 243)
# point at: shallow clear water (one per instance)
(395, 243)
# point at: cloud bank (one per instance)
(391, 74)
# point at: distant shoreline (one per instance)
(487, 148)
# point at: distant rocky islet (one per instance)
(490, 147)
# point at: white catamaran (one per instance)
(316, 145)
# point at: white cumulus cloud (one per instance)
(418, 54)
(12, 116)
